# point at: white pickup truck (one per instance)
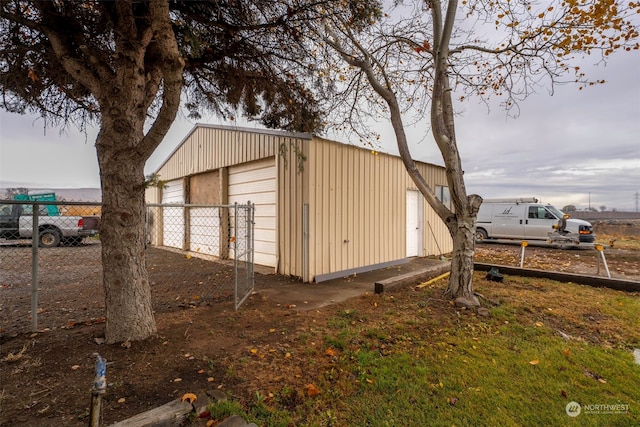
(16, 222)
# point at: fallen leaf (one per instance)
(566, 351)
(534, 362)
(75, 367)
(122, 400)
(200, 371)
(189, 397)
(177, 380)
(312, 390)
(11, 357)
(330, 352)
(210, 379)
(210, 423)
(288, 355)
(602, 380)
(539, 324)
(99, 340)
(272, 330)
(254, 351)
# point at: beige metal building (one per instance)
(323, 209)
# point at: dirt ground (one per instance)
(46, 376)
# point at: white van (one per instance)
(526, 219)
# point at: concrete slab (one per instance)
(311, 296)
(414, 277)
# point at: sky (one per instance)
(574, 147)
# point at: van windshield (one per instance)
(557, 212)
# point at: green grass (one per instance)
(416, 366)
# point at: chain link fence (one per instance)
(48, 243)
(222, 232)
(57, 243)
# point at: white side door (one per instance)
(414, 223)
(539, 223)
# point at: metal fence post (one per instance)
(35, 241)
(250, 236)
(235, 256)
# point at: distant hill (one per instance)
(68, 194)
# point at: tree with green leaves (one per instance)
(127, 66)
(423, 58)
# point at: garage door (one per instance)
(173, 217)
(255, 182)
(204, 230)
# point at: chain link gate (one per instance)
(219, 232)
(243, 250)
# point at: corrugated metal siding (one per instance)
(291, 198)
(208, 148)
(357, 214)
(436, 239)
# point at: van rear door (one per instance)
(539, 223)
(508, 221)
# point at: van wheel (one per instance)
(49, 239)
(481, 234)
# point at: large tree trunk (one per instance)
(146, 71)
(463, 233)
(462, 224)
(122, 232)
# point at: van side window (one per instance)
(539, 212)
(534, 212)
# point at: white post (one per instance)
(524, 244)
(600, 249)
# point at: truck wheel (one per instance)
(481, 234)
(49, 239)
